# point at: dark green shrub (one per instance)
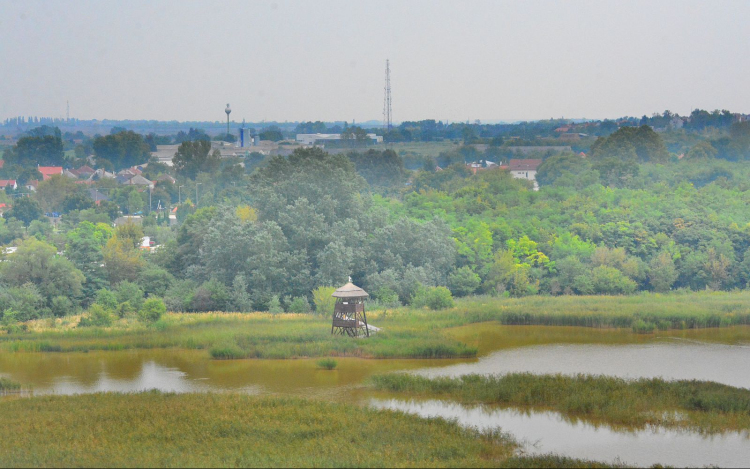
(434, 298)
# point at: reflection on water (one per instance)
(549, 432)
(192, 370)
(669, 359)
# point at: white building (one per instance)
(321, 139)
(525, 169)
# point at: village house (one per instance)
(49, 171)
(525, 169)
(4, 183)
(101, 174)
(83, 172)
(138, 180)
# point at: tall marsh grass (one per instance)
(7, 385)
(697, 405)
(201, 430)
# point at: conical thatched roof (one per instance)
(350, 291)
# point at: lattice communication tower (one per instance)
(387, 111)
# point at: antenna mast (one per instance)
(67, 111)
(387, 112)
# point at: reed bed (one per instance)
(200, 430)
(644, 312)
(225, 429)
(702, 406)
(8, 385)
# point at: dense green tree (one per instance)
(26, 210)
(37, 263)
(379, 168)
(84, 248)
(195, 156)
(662, 272)
(123, 149)
(464, 281)
(40, 148)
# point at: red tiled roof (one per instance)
(7, 182)
(49, 171)
(524, 165)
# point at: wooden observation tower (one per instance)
(349, 313)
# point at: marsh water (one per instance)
(720, 355)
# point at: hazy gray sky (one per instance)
(325, 60)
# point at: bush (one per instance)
(327, 363)
(323, 301)
(642, 327)
(125, 309)
(386, 297)
(433, 298)
(299, 305)
(130, 292)
(97, 316)
(153, 309)
(62, 306)
(274, 305)
(155, 281)
(179, 297)
(106, 299)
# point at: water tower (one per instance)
(349, 312)
(228, 110)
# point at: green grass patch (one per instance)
(703, 406)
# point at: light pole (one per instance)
(196, 193)
(179, 195)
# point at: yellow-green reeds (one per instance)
(696, 405)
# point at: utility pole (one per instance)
(179, 195)
(196, 193)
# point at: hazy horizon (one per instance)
(304, 61)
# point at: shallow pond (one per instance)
(549, 432)
(719, 355)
